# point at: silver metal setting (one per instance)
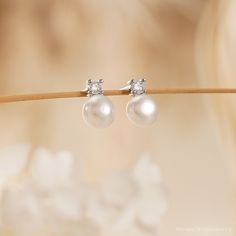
(94, 87)
(136, 87)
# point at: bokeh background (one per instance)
(53, 45)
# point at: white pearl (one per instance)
(98, 111)
(142, 110)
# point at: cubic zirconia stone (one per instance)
(94, 87)
(137, 87)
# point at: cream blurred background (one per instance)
(57, 45)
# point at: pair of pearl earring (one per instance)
(98, 111)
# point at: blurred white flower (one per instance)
(130, 199)
(51, 172)
(21, 211)
(53, 199)
(146, 172)
(12, 161)
(50, 200)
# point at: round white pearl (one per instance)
(142, 110)
(98, 111)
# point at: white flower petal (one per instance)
(146, 172)
(125, 220)
(12, 160)
(49, 171)
(64, 206)
(151, 205)
(20, 209)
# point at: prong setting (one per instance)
(136, 87)
(94, 87)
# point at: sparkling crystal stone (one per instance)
(137, 87)
(94, 87)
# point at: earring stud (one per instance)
(98, 111)
(141, 109)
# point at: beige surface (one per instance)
(57, 46)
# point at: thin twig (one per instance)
(76, 94)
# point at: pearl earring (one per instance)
(141, 109)
(98, 111)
